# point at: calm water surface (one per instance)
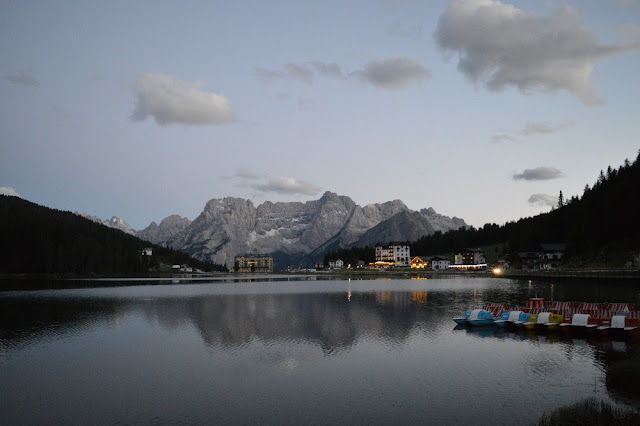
(307, 351)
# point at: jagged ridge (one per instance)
(300, 233)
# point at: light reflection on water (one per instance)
(383, 351)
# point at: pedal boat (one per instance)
(580, 323)
(620, 326)
(476, 317)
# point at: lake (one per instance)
(293, 350)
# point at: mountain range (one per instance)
(295, 233)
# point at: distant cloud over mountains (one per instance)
(288, 185)
(279, 185)
(170, 100)
(539, 173)
(499, 45)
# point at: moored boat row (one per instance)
(612, 319)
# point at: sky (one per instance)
(484, 110)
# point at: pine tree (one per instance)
(560, 200)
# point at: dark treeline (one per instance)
(37, 239)
(351, 256)
(600, 227)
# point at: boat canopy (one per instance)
(580, 319)
(478, 314)
(617, 321)
(514, 315)
(543, 317)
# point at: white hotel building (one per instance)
(394, 254)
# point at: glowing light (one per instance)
(497, 271)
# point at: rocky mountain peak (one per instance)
(292, 230)
(115, 222)
(169, 227)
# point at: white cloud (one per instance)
(532, 128)
(393, 73)
(23, 78)
(503, 137)
(304, 71)
(170, 100)
(543, 200)
(279, 185)
(7, 190)
(500, 45)
(243, 173)
(544, 128)
(539, 173)
(299, 72)
(327, 69)
(288, 185)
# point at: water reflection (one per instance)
(332, 321)
(281, 352)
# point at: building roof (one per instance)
(391, 244)
(438, 258)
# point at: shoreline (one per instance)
(25, 281)
(570, 274)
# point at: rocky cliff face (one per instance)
(168, 229)
(303, 231)
(442, 223)
(404, 226)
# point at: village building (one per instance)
(551, 254)
(470, 259)
(253, 263)
(470, 256)
(440, 263)
(546, 257)
(393, 255)
(336, 264)
(420, 262)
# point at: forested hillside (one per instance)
(37, 239)
(601, 227)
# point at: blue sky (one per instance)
(480, 109)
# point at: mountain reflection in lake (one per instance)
(383, 351)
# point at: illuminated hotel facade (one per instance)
(254, 263)
(393, 255)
